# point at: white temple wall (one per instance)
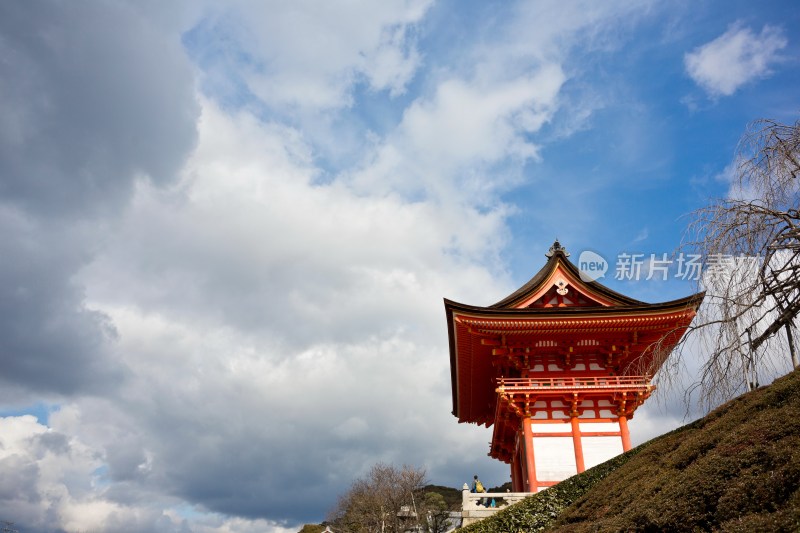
(555, 456)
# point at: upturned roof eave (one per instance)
(451, 307)
(692, 301)
(451, 335)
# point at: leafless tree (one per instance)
(384, 501)
(749, 243)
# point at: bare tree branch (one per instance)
(750, 245)
(375, 503)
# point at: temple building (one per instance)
(558, 368)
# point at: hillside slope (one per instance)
(737, 469)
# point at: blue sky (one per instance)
(227, 228)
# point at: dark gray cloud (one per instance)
(48, 341)
(92, 98)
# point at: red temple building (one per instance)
(558, 368)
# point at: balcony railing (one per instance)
(476, 506)
(572, 383)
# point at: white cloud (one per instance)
(52, 481)
(54, 478)
(249, 229)
(293, 313)
(641, 235)
(735, 58)
(309, 55)
(446, 144)
(548, 30)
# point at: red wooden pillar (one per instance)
(520, 475)
(623, 430)
(516, 460)
(577, 443)
(514, 480)
(530, 466)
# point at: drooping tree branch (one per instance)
(749, 243)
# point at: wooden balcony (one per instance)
(558, 385)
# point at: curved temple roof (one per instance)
(557, 261)
(557, 307)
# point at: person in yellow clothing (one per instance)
(477, 486)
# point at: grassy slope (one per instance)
(737, 469)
